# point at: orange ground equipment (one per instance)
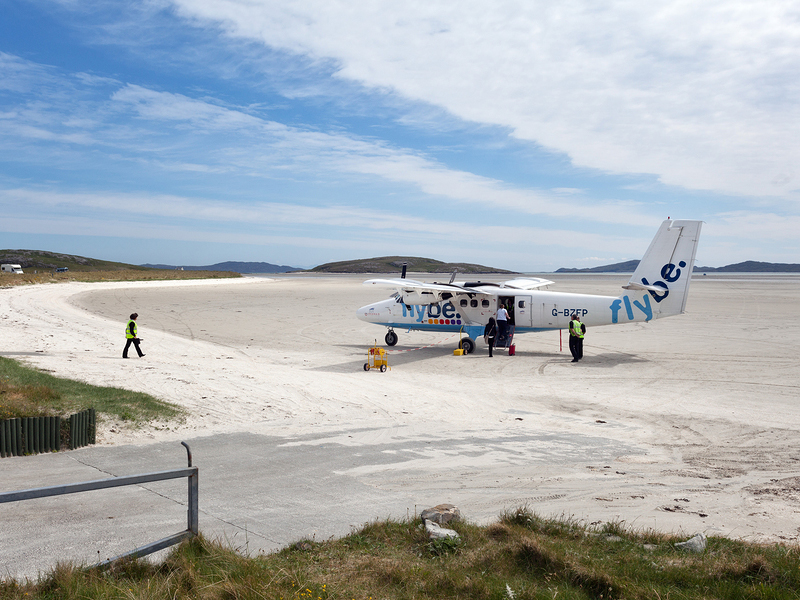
(377, 358)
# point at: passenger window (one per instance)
(473, 303)
(521, 304)
(485, 303)
(463, 302)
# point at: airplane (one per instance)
(658, 288)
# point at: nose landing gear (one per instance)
(467, 345)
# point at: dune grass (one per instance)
(28, 392)
(48, 276)
(520, 557)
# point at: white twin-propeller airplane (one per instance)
(658, 288)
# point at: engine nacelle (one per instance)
(414, 297)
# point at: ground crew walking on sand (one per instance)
(576, 332)
(132, 337)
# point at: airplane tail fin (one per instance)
(666, 269)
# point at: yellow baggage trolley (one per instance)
(376, 359)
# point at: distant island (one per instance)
(394, 264)
(752, 266)
(50, 261)
(236, 267)
(623, 267)
(749, 266)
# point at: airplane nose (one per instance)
(363, 313)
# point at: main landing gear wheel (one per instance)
(391, 338)
(467, 345)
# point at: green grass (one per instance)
(44, 260)
(520, 557)
(27, 392)
(93, 276)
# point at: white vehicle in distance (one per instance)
(11, 268)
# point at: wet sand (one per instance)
(684, 424)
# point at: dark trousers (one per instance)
(502, 332)
(135, 342)
(576, 347)
(491, 345)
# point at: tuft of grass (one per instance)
(506, 560)
(28, 392)
(18, 401)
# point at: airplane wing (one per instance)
(411, 291)
(418, 292)
(412, 285)
(526, 283)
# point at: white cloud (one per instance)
(182, 218)
(704, 95)
(273, 142)
(753, 226)
(177, 133)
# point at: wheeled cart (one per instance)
(376, 359)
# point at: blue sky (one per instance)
(528, 136)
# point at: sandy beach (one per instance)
(685, 424)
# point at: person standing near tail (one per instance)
(132, 336)
(576, 332)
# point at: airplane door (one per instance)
(523, 310)
(549, 315)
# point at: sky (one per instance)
(522, 135)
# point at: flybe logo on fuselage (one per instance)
(669, 273)
(433, 314)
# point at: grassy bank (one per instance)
(29, 277)
(520, 557)
(27, 392)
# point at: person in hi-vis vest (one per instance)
(576, 332)
(132, 337)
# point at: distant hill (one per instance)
(623, 267)
(750, 266)
(236, 267)
(394, 264)
(48, 261)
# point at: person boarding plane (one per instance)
(658, 288)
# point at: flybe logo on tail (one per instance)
(670, 273)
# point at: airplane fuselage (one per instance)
(658, 288)
(533, 310)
